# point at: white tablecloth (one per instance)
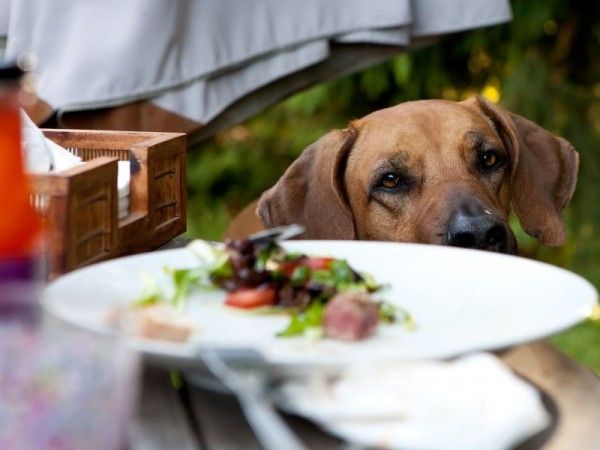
(196, 57)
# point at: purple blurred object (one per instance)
(20, 285)
(18, 269)
(61, 386)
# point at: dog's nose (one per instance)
(479, 230)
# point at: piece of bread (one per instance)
(164, 322)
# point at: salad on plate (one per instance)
(324, 297)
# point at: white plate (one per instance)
(461, 300)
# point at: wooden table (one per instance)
(196, 418)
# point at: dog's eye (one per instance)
(488, 159)
(390, 180)
(393, 182)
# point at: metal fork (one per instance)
(276, 234)
(244, 372)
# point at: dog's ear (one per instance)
(543, 169)
(311, 192)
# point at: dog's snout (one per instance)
(477, 229)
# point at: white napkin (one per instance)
(123, 178)
(474, 402)
(43, 155)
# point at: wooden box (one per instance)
(80, 205)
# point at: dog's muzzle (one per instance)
(473, 226)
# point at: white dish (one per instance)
(461, 301)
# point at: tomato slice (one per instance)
(317, 263)
(288, 267)
(251, 298)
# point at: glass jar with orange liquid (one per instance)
(20, 225)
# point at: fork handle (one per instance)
(270, 429)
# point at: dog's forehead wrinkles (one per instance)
(428, 124)
(397, 160)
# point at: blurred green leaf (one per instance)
(401, 68)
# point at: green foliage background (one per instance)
(544, 65)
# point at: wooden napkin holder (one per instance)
(79, 206)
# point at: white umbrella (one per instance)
(196, 58)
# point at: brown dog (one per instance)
(430, 171)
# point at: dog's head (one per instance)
(430, 171)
